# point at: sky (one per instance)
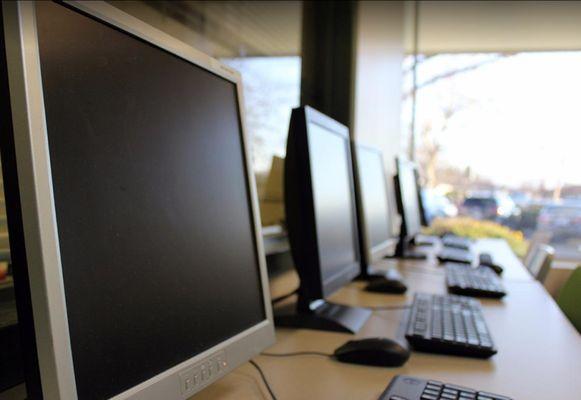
(521, 119)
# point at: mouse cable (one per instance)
(297, 353)
(284, 296)
(255, 365)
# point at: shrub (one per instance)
(475, 229)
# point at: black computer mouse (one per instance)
(380, 352)
(386, 286)
(486, 261)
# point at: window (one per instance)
(498, 134)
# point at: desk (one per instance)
(539, 354)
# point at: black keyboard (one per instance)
(448, 325)
(456, 242)
(411, 388)
(448, 254)
(464, 280)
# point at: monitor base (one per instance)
(405, 250)
(386, 281)
(409, 255)
(425, 241)
(323, 316)
(374, 274)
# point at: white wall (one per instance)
(497, 26)
(379, 51)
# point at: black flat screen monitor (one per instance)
(421, 203)
(408, 199)
(320, 204)
(372, 205)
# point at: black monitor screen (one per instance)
(334, 201)
(409, 198)
(152, 202)
(373, 195)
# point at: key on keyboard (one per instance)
(411, 388)
(475, 282)
(448, 325)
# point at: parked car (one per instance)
(521, 199)
(563, 220)
(496, 207)
(437, 206)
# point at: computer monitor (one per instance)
(408, 206)
(424, 220)
(375, 237)
(321, 221)
(136, 202)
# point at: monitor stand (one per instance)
(412, 255)
(404, 251)
(422, 241)
(323, 316)
(384, 281)
(374, 274)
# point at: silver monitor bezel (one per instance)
(39, 217)
(375, 253)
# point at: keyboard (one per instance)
(456, 242)
(412, 388)
(464, 280)
(448, 325)
(448, 254)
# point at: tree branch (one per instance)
(458, 71)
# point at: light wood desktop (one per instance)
(539, 351)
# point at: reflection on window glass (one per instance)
(10, 362)
(271, 90)
(497, 135)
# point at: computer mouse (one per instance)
(380, 352)
(486, 261)
(386, 286)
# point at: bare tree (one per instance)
(451, 73)
(430, 144)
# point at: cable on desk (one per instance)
(255, 365)
(297, 353)
(284, 296)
